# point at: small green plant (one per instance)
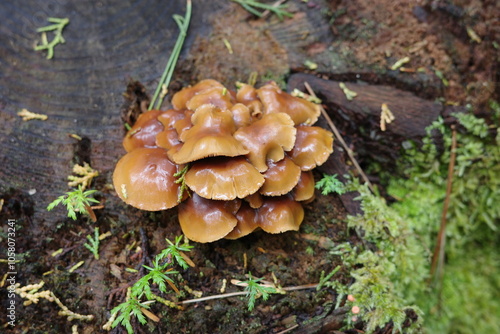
(76, 201)
(128, 309)
(255, 290)
(160, 274)
(57, 27)
(180, 179)
(253, 7)
(174, 251)
(93, 244)
(329, 184)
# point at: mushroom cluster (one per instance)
(233, 161)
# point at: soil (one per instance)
(453, 59)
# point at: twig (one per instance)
(243, 293)
(339, 137)
(438, 255)
(183, 24)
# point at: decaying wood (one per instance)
(359, 121)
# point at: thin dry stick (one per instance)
(339, 137)
(242, 293)
(438, 255)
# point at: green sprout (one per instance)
(329, 184)
(159, 275)
(183, 24)
(180, 175)
(124, 311)
(174, 251)
(252, 7)
(93, 244)
(57, 28)
(76, 201)
(255, 290)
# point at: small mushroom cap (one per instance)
(304, 190)
(280, 177)
(205, 220)
(169, 137)
(211, 135)
(223, 178)
(280, 214)
(267, 139)
(180, 99)
(255, 200)
(247, 222)
(312, 147)
(217, 96)
(144, 178)
(275, 100)
(246, 94)
(241, 115)
(144, 131)
(169, 117)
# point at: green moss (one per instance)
(391, 267)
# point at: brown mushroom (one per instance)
(241, 115)
(218, 96)
(180, 99)
(280, 214)
(247, 95)
(254, 200)
(169, 137)
(267, 139)
(205, 220)
(223, 178)
(144, 178)
(144, 131)
(312, 147)
(280, 177)
(247, 222)
(275, 100)
(210, 135)
(304, 190)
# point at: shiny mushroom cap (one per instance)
(281, 177)
(210, 135)
(169, 137)
(247, 222)
(144, 178)
(217, 96)
(304, 190)
(267, 139)
(144, 131)
(275, 100)
(205, 220)
(280, 214)
(223, 178)
(182, 97)
(312, 147)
